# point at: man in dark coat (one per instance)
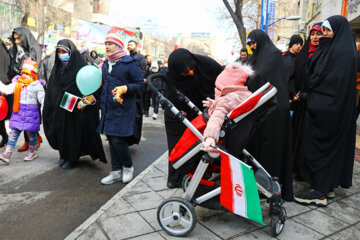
(132, 48)
(270, 143)
(243, 56)
(194, 75)
(73, 134)
(330, 116)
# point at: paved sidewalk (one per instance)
(131, 214)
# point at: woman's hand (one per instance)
(208, 102)
(208, 144)
(118, 93)
(85, 101)
(296, 97)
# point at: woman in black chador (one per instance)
(298, 91)
(330, 117)
(194, 75)
(73, 134)
(270, 144)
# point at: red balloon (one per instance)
(4, 107)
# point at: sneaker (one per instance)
(5, 156)
(311, 196)
(30, 155)
(154, 116)
(128, 174)
(330, 194)
(114, 176)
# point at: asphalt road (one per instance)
(39, 200)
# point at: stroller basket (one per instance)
(177, 216)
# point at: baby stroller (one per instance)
(201, 182)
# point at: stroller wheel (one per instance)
(278, 222)
(176, 216)
(185, 182)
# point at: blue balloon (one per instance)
(88, 79)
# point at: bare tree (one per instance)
(45, 12)
(236, 9)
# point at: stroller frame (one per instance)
(180, 211)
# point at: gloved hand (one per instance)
(208, 102)
(85, 101)
(208, 144)
(118, 93)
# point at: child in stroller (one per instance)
(177, 216)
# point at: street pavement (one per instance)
(39, 200)
(131, 214)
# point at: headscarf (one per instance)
(29, 48)
(116, 37)
(312, 47)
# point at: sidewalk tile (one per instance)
(163, 166)
(117, 208)
(156, 183)
(294, 230)
(154, 173)
(151, 236)
(227, 225)
(151, 217)
(139, 187)
(144, 201)
(341, 193)
(342, 211)
(353, 200)
(167, 193)
(125, 226)
(258, 234)
(92, 232)
(352, 233)
(293, 209)
(198, 233)
(320, 222)
(202, 212)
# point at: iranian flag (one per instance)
(239, 193)
(68, 101)
(178, 41)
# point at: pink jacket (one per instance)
(229, 98)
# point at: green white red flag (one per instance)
(68, 101)
(178, 41)
(239, 193)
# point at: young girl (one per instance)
(28, 91)
(229, 93)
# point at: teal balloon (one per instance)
(88, 79)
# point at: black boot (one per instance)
(3, 134)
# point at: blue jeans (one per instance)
(14, 135)
(120, 153)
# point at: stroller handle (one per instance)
(181, 97)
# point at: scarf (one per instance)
(312, 48)
(18, 87)
(117, 55)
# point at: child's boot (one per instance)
(5, 156)
(31, 154)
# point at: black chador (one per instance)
(270, 144)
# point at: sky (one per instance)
(170, 17)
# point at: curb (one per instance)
(80, 229)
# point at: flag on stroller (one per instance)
(239, 193)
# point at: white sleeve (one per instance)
(40, 94)
(7, 89)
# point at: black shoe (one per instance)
(68, 165)
(173, 185)
(311, 196)
(61, 162)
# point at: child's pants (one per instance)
(120, 153)
(14, 135)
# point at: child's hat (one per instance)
(115, 35)
(30, 67)
(234, 74)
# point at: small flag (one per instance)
(178, 41)
(239, 193)
(68, 101)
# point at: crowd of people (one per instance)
(310, 134)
